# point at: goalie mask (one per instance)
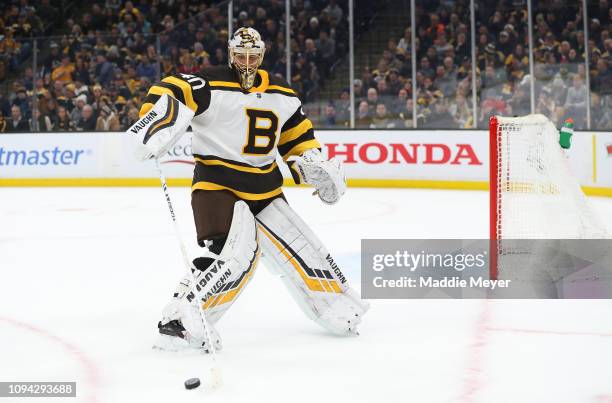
(246, 52)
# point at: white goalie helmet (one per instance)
(246, 52)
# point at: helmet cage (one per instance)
(246, 61)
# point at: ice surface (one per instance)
(84, 273)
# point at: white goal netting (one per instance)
(534, 194)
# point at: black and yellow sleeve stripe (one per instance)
(297, 136)
(178, 88)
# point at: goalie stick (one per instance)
(198, 292)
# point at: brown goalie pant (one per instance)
(213, 211)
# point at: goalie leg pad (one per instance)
(237, 260)
(313, 279)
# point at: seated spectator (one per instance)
(329, 118)
(22, 101)
(17, 122)
(103, 69)
(107, 120)
(3, 123)
(129, 9)
(62, 122)
(5, 106)
(87, 123)
(363, 117)
(131, 117)
(393, 82)
(40, 122)
(461, 112)
(440, 117)
(64, 71)
(199, 54)
(148, 70)
(372, 97)
(77, 112)
(327, 49)
(399, 102)
(382, 119)
(405, 43)
(546, 104)
(405, 115)
(188, 65)
(575, 102)
(343, 112)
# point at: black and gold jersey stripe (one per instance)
(245, 181)
(195, 93)
(297, 136)
(278, 85)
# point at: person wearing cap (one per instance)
(22, 100)
(77, 111)
(494, 56)
(313, 28)
(53, 59)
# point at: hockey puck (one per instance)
(192, 383)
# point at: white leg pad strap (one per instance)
(313, 279)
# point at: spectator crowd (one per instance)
(444, 97)
(95, 75)
(96, 61)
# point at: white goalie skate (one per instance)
(181, 328)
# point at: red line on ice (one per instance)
(91, 370)
(473, 381)
(547, 332)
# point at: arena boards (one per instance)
(438, 159)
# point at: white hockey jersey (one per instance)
(237, 134)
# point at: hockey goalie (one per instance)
(242, 118)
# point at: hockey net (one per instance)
(533, 194)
